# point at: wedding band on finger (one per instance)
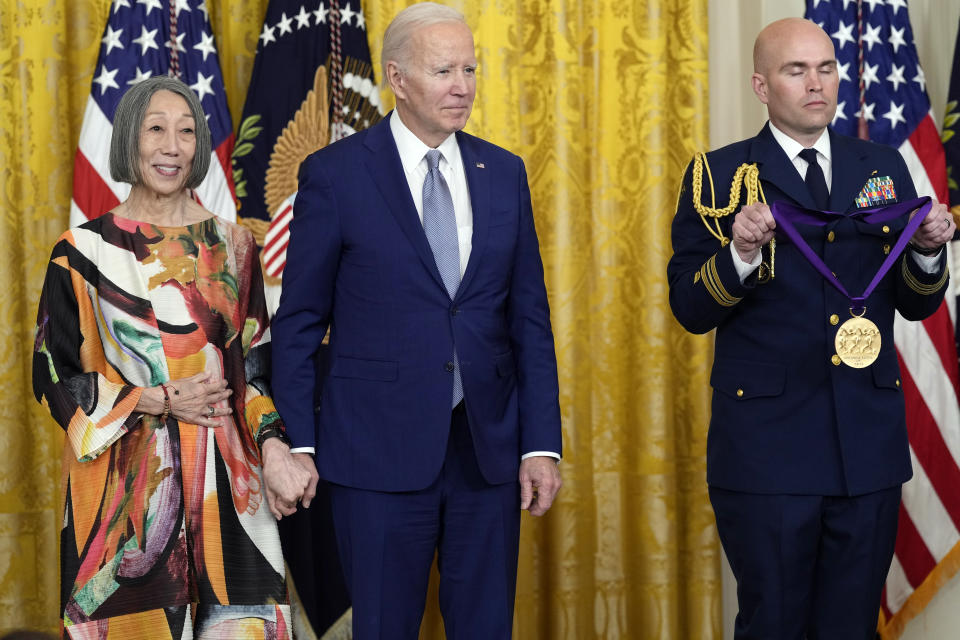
(210, 410)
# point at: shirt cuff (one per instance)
(309, 450)
(744, 269)
(549, 454)
(929, 264)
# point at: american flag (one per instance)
(145, 38)
(883, 97)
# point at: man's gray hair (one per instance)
(399, 33)
(128, 120)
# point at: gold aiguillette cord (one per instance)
(746, 175)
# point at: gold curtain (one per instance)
(606, 102)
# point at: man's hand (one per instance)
(936, 229)
(539, 483)
(305, 460)
(753, 227)
(286, 478)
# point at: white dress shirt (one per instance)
(413, 153)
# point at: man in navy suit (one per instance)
(805, 454)
(439, 418)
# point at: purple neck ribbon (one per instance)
(786, 215)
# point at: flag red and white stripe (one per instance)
(277, 238)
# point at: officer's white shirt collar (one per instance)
(793, 148)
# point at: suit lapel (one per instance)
(777, 169)
(386, 171)
(850, 172)
(478, 182)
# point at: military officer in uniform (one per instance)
(806, 454)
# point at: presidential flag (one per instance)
(312, 83)
(883, 98)
(145, 38)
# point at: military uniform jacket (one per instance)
(785, 418)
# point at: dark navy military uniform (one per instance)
(805, 455)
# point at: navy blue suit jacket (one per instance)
(785, 419)
(359, 262)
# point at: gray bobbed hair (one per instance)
(128, 120)
(399, 33)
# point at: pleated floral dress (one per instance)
(166, 531)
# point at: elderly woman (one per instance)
(151, 353)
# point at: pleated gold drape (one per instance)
(606, 102)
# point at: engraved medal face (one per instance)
(858, 342)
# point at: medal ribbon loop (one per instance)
(787, 215)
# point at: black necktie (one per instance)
(815, 181)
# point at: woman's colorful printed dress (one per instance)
(166, 531)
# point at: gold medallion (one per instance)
(858, 342)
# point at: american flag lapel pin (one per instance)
(480, 165)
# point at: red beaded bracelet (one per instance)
(166, 404)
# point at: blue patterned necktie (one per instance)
(440, 225)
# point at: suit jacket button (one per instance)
(449, 366)
(834, 319)
(739, 393)
(836, 360)
(886, 229)
(830, 236)
(454, 311)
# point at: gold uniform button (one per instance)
(897, 382)
(886, 229)
(739, 393)
(836, 360)
(831, 236)
(886, 249)
(834, 319)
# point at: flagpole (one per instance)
(863, 130)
